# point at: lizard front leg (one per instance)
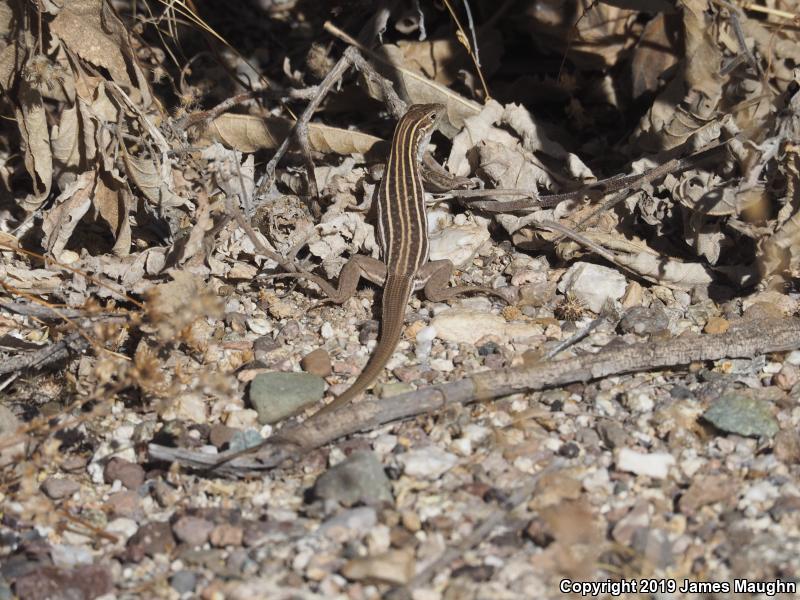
(353, 270)
(435, 276)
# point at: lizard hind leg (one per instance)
(436, 276)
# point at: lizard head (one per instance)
(419, 123)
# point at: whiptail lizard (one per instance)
(403, 237)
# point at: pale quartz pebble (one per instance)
(654, 464)
(443, 365)
(259, 326)
(463, 326)
(461, 446)
(458, 243)
(682, 298)
(122, 527)
(427, 463)
(593, 284)
(394, 566)
(475, 433)
(242, 419)
(424, 339)
(326, 331)
(793, 358)
(772, 368)
(384, 443)
(597, 481)
(68, 257)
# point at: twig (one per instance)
(38, 359)
(748, 338)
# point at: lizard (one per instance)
(402, 232)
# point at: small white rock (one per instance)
(326, 331)
(593, 284)
(793, 358)
(122, 528)
(655, 464)
(459, 243)
(427, 463)
(461, 446)
(475, 433)
(259, 326)
(443, 365)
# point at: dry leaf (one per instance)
(248, 133)
(32, 121)
(92, 30)
(69, 208)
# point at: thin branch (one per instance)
(743, 339)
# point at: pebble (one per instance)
(183, 582)
(259, 326)
(707, 490)
(793, 358)
(192, 530)
(122, 527)
(717, 325)
(188, 407)
(654, 464)
(443, 365)
(644, 320)
(787, 377)
(317, 362)
(394, 567)
(68, 556)
(459, 243)
(57, 488)
(125, 504)
(427, 463)
(276, 396)
(226, 535)
(358, 479)
(593, 284)
(131, 475)
(241, 440)
(220, 434)
(151, 539)
(742, 414)
(350, 524)
(52, 583)
(466, 326)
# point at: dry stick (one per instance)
(672, 165)
(349, 58)
(72, 343)
(747, 338)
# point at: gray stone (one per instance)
(642, 320)
(743, 415)
(360, 478)
(183, 582)
(241, 440)
(69, 556)
(192, 530)
(276, 396)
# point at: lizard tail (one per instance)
(396, 293)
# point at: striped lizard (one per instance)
(402, 231)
